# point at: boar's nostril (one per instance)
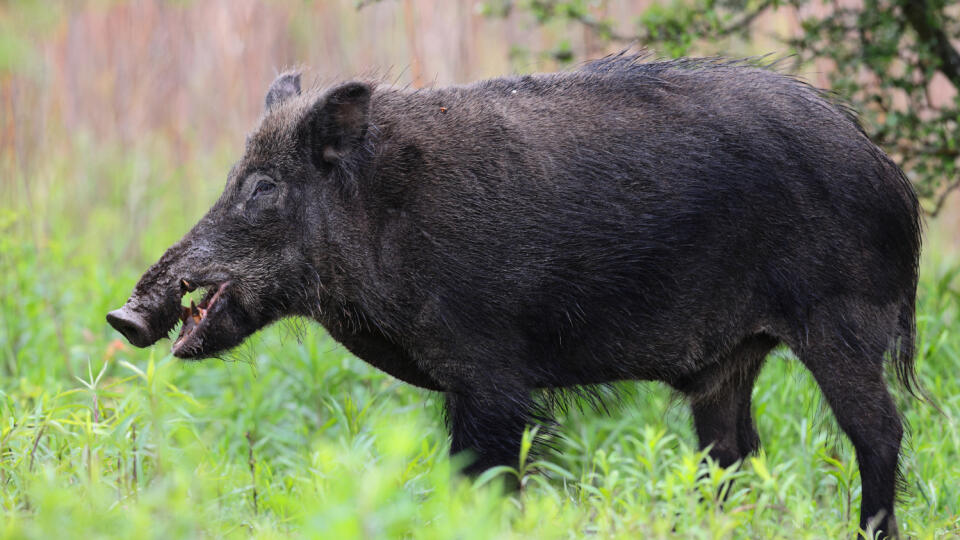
(131, 325)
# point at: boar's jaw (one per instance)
(193, 340)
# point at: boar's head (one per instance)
(261, 251)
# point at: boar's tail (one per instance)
(904, 356)
(904, 350)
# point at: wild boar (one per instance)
(629, 220)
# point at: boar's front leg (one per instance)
(488, 426)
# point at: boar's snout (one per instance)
(132, 325)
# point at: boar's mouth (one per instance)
(196, 319)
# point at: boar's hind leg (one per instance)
(849, 370)
(488, 427)
(720, 399)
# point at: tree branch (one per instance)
(925, 22)
(938, 205)
(606, 29)
(603, 28)
(745, 21)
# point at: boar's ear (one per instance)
(284, 87)
(338, 122)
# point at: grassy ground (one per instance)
(295, 437)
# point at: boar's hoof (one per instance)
(131, 325)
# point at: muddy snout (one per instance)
(132, 325)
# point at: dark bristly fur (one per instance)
(656, 220)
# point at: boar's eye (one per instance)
(263, 186)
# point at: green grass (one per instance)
(298, 438)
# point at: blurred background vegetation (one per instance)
(118, 124)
